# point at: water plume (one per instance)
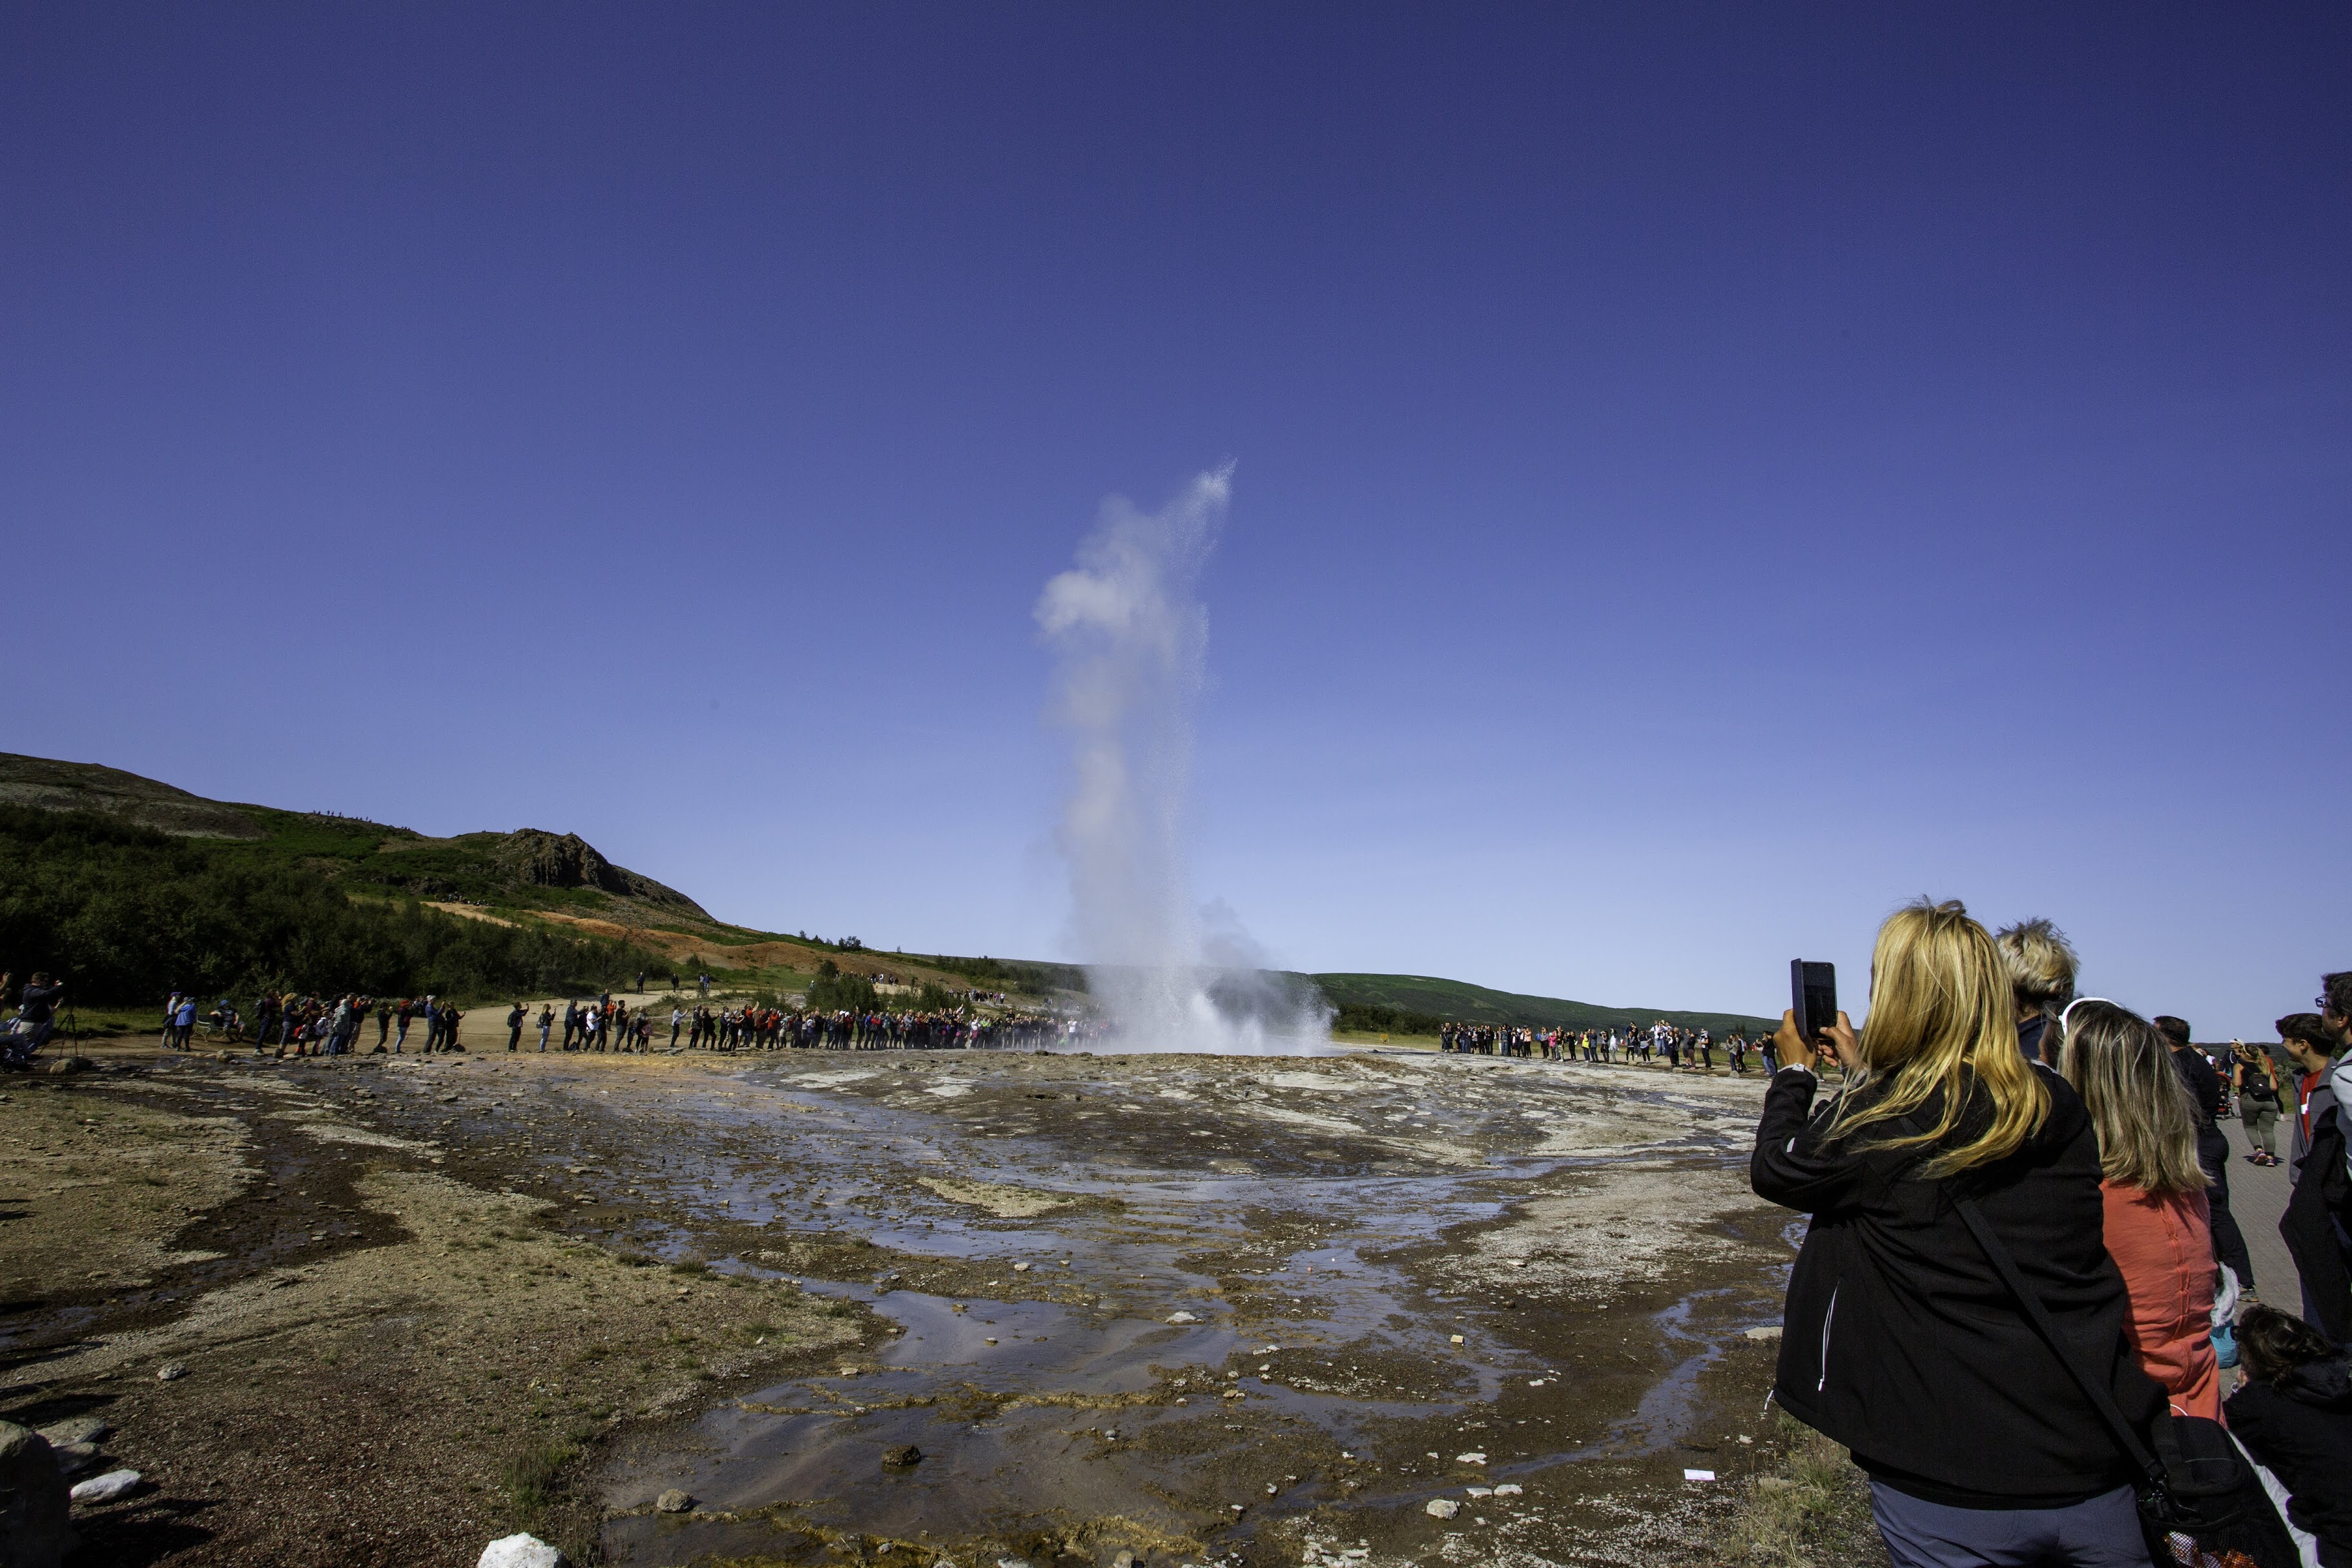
(1131, 640)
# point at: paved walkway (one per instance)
(2257, 1197)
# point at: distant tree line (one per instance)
(1380, 1018)
(126, 914)
(999, 975)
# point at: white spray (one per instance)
(1133, 642)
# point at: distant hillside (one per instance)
(528, 867)
(1463, 1003)
(125, 913)
(564, 910)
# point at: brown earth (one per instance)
(420, 1303)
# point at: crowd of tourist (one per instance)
(1678, 1048)
(608, 1023)
(2021, 1285)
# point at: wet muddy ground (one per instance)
(1197, 1310)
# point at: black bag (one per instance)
(2200, 1505)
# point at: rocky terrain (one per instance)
(895, 1307)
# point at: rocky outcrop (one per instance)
(88, 786)
(567, 861)
(36, 1529)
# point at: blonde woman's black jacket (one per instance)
(1901, 1342)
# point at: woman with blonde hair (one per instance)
(2152, 1190)
(1902, 1340)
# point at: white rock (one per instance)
(1699, 1474)
(1021, 1269)
(1457, 1338)
(1480, 1491)
(105, 1487)
(1508, 1489)
(1770, 1332)
(1182, 1318)
(1473, 1457)
(520, 1552)
(1441, 1508)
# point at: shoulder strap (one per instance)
(2102, 1399)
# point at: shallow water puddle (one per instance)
(1305, 1352)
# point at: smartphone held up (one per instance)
(1812, 996)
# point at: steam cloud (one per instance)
(1131, 640)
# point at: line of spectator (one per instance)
(2015, 1287)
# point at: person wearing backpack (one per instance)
(2256, 1078)
(1903, 1339)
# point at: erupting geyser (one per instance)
(1132, 641)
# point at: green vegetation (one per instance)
(1463, 1003)
(531, 1473)
(1811, 1506)
(1380, 1018)
(527, 870)
(838, 993)
(126, 913)
(999, 974)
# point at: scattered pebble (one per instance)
(170, 1372)
(1182, 1318)
(672, 1502)
(1699, 1474)
(1441, 1508)
(1473, 1457)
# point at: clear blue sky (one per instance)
(1704, 475)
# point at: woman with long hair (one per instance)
(2152, 1192)
(1901, 1340)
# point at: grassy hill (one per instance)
(1422, 997)
(137, 885)
(528, 868)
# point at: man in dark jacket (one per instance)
(1901, 1340)
(2212, 1098)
